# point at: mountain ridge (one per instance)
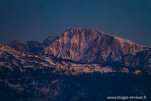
(76, 43)
(82, 47)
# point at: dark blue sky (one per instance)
(25, 20)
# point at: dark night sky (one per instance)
(25, 20)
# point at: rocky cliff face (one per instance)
(92, 46)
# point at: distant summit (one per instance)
(49, 40)
(91, 46)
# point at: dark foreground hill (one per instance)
(43, 85)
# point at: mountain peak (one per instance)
(78, 33)
(14, 42)
(81, 30)
(89, 45)
(49, 40)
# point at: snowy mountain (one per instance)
(77, 49)
(92, 46)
